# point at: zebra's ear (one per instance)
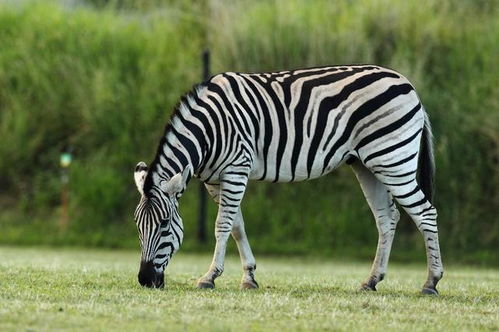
(140, 176)
(177, 183)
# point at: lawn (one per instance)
(54, 289)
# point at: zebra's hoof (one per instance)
(205, 284)
(367, 287)
(249, 285)
(429, 291)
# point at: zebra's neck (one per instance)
(182, 145)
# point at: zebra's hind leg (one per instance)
(409, 195)
(386, 214)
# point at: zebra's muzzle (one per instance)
(149, 277)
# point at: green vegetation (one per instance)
(104, 76)
(75, 289)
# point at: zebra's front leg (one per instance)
(217, 265)
(247, 259)
(231, 191)
(387, 216)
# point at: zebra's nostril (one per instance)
(160, 281)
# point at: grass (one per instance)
(48, 289)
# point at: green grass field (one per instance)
(53, 289)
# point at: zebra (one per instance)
(290, 126)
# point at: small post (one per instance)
(206, 64)
(202, 190)
(65, 160)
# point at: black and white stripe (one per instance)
(291, 126)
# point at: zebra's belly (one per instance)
(304, 168)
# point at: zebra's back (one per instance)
(301, 124)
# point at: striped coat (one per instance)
(291, 126)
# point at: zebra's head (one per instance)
(159, 224)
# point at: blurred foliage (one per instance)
(103, 76)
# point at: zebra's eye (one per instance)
(163, 223)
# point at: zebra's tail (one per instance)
(426, 165)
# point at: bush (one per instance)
(104, 78)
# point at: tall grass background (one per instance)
(103, 77)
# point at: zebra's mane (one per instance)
(183, 102)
